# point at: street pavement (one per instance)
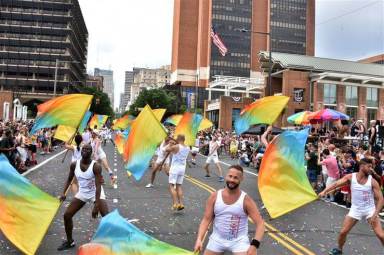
(309, 230)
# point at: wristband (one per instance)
(255, 243)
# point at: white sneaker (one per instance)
(149, 185)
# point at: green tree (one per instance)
(100, 102)
(155, 98)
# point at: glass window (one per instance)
(351, 112)
(351, 95)
(329, 93)
(371, 114)
(372, 97)
(235, 115)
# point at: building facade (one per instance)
(108, 84)
(95, 82)
(245, 26)
(127, 89)
(378, 59)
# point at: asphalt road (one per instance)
(311, 229)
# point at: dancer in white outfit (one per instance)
(162, 155)
(367, 202)
(76, 155)
(229, 210)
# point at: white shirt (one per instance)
(362, 195)
(86, 180)
(179, 160)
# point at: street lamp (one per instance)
(56, 69)
(243, 30)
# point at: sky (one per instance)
(128, 33)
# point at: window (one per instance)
(372, 97)
(329, 93)
(235, 115)
(351, 95)
(351, 112)
(371, 114)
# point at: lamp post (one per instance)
(56, 70)
(243, 30)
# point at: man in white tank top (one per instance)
(229, 210)
(162, 162)
(88, 175)
(367, 202)
(180, 154)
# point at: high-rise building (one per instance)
(127, 89)
(41, 41)
(95, 82)
(108, 85)
(245, 27)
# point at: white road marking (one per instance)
(115, 200)
(43, 163)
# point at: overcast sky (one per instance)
(128, 33)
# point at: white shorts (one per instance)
(195, 150)
(330, 181)
(212, 159)
(86, 198)
(160, 160)
(234, 246)
(100, 156)
(358, 215)
(175, 178)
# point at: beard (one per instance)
(232, 185)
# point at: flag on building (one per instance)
(218, 42)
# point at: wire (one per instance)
(350, 12)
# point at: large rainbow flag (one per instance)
(66, 110)
(98, 120)
(66, 133)
(282, 181)
(189, 126)
(25, 211)
(144, 137)
(116, 236)
(120, 140)
(159, 113)
(263, 111)
(123, 122)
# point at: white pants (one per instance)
(234, 246)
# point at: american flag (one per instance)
(218, 42)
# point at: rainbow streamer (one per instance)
(189, 126)
(159, 113)
(66, 110)
(145, 136)
(25, 211)
(120, 140)
(98, 120)
(282, 181)
(123, 122)
(262, 111)
(175, 119)
(116, 236)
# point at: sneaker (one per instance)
(381, 214)
(149, 185)
(221, 179)
(180, 207)
(66, 245)
(335, 251)
(207, 176)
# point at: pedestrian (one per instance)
(162, 162)
(213, 158)
(367, 202)
(332, 167)
(76, 155)
(88, 174)
(229, 209)
(179, 152)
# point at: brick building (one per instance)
(196, 61)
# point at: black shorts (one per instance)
(32, 148)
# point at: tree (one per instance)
(100, 102)
(155, 98)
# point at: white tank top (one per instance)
(76, 153)
(161, 152)
(179, 160)
(231, 222)
(99, 150)
(362, 195)
(86, 180)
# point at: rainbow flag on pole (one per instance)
(98, 121)
(116, 236)
(25, 211)
(282, 181)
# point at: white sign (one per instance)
(213, 106)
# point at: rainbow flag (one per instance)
(262, 111)
(66, 133)
(25, 211)
(98, 120)
(145, 136)
(120, 140)
(175, 119)
(116, 236)
(189, 126)
(159, 113)
(66, 110)
(283, 175)
(123, 122)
